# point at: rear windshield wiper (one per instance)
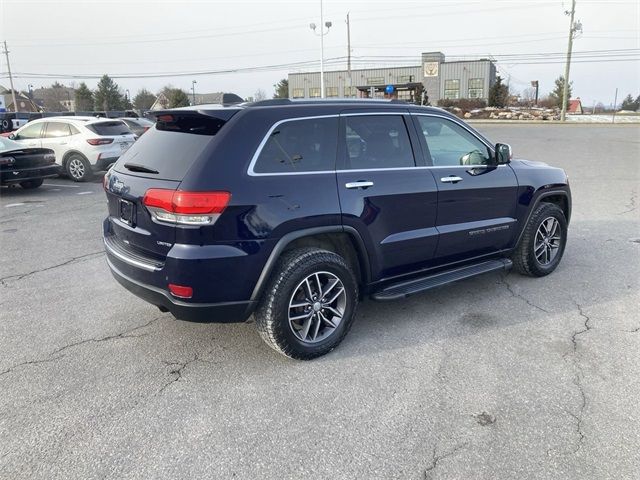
(134, 167)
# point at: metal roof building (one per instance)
(433, 79)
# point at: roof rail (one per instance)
(273, 101)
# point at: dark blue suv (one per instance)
(294, 211)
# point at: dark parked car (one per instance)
(296, 210)
(26, 166)
(137, 125)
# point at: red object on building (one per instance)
(575, 106)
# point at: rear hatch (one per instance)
(26, 158)
(116, 130)
(158, 161)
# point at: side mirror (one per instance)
(12, 136)
(503, 153)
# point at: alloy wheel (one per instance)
(317, 307)
(547, 241)
(76, 168)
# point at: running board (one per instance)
(417, 285)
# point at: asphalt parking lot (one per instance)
(499, 377)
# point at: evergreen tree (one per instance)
(176, 97)
(84, 98)
(498, 93)
(144, 99)
(282, 89)
(107, 95)
(558, 92)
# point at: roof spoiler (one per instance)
(221, 114)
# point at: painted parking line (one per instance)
(84, 193)
(9, 205)
(59, 185)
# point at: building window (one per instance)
(314, 92)
(476, 87)
(452, 89)
(375, 80)
(332, 91)
(405, 79)
(349, 91)
(298, 93)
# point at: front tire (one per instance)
(31, 184)
(308, 305)
(543, 241)
(79, 169)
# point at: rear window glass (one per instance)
(300, 146)
(171, 154)
(109, 128)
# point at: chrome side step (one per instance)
(417, 285)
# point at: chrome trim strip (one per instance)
(130, 261)
(254, 159)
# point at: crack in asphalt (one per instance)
(181, 366)
(20, 276)
(579, 377)
(503, 280)
(125, 334)
(631, 206)
(435, 458)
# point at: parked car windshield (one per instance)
(111, 128)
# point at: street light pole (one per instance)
(322, 34)
(193, 90)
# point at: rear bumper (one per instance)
(103, 164)
(24, 174)
(228, 312)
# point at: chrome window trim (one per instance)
(252, 173)
(254, 159)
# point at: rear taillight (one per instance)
(50, 157)
(185, 208)
(7, 161)
(99, 141)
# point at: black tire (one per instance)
(272, 315)
(524, 258)
(30, 184)
(78, 168)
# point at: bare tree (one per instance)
(259, 95)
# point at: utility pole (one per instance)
(615, 102)
(13, 90)
(573, 28)
(348, 49)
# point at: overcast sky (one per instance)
(150, 37)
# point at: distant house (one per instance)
(218, 98)
(25, 104)
(575, 107)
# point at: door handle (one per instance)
(451, 179)
(359, 184)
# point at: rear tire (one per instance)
(78, 168)
(301, 327)
(543, 241)
(30, 184)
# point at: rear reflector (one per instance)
(180, 291)
(185, 208)
(99, 141)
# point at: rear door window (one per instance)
(57, 129)
(305, 145)
(377, 141)
(110, 129)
